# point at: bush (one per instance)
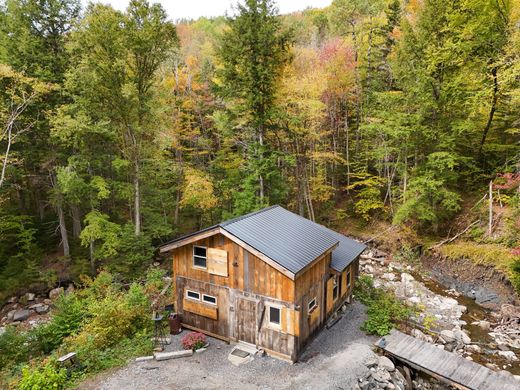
(44, 378)
(14, 347)
(384, 310)
(194, 341)
(67, 318)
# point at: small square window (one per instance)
(199, 256)
(192, 295)
(209, 299)
(274, 315)
(312, 305)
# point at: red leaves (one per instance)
(193, 341)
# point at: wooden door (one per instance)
(246, 320)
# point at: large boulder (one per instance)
(55, 293)
(448, 336)
(386, 363)
(21, 315)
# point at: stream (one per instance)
(444, 309)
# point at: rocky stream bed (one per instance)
(449, 319)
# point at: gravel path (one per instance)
(334, 360)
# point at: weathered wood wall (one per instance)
(246, 272)
(245, 294)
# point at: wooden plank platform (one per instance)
(446, 366)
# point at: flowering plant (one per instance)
(194, 341)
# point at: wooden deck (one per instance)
(446, 366)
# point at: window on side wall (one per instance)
(192, 295)
(275, 315)
(335, 289)
(311, 305)
(209, 299)
(348, 279)
(199, 256)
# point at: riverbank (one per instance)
(446, 317)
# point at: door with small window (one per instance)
(246, 320)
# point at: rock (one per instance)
(462, 337)
(381, 376)
(386, 363)
(419, 335)
(47, 301)
(473, 348)
(30, 296)
(21, 315)
(440, 346)
(10, 314)
(406, 278)
(502, 347)
(486, 325)
(509, 355)
(42, 309)
(415, 300)
(143, 358)
(448, 336)
(70, 289)
(388, 276)
(12, 300)
(159, 356)
(371, 362)
(200, 350)
(55, 293)
(369, 269)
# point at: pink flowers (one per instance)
(194, 341)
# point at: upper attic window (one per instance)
(199, 256)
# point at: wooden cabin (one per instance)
(270, 278)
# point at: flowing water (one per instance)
(475, 312)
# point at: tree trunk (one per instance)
(92, 259)
(137, 201)
(492, 110)
(63, 230)
(490, 223)
(261, 178)
(76, 221)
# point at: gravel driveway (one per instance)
(334, 360)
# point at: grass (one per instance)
(495, 255)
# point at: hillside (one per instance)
(395, 122)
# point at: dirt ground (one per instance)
(334, 360)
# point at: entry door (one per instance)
(246, 320)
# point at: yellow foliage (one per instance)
(198, 190)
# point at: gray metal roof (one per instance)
(289, 239)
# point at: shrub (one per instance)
(67, 318)
(43, 378)
(384, 310)
(194, 341)
(14, 347)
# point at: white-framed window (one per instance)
(190, 294)
(335, 289)
(348, 279)
(199, 256)
(275, 315)
(311, 305)
(209, 299)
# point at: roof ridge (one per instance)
(242, 217)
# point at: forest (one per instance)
(121, 130)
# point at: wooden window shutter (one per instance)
(217, 261)
(344, 282)
(290, 321)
